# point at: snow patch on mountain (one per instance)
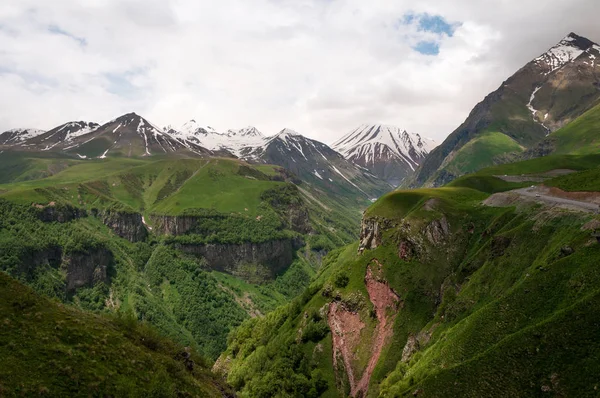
(567, 50)
(73, 130)
(19, 135)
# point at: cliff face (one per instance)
(61, 213)
(129, 226)
(87, 269)
(370, 232)
(173, 225)
(125, 224)
(248, 260)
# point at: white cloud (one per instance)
(318, 66)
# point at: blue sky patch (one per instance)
(435, 24)
(427, 23)
(58, 31)
(427, 47)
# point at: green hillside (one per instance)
(491, 301)
(579, 137)
(51, 349)
(73, 230)
(481, 151)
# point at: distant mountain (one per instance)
(61, 135)
(233, 141)
(316, 163)
(129, 135)
(19, 135)
(544, 95)
(387, 151)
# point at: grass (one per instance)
(157, 186)
(481, 151)
(484, 183)
(544, 164)
(579, 137)
(51, 349)
(587, 180)
(400, 203)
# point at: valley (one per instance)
(190, 261)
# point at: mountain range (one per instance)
(262, 259)
(544, 95)
(368, 162)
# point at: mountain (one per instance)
(129, 135)
(233, 141)
(18, 136)
(311, 161)
(388, 152)
(63, 134)
(541, 97)
(316, 163)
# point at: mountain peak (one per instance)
(377, 146)
(567, 50)
(287, 133)
(249, 131)
(575, 40)
(192, 127)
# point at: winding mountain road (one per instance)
(533, 192)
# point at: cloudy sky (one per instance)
(320, 67)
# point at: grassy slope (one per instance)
(497, 307)
(481, 151)
(579, 137)
(150, 280)
(159, 186)
(52, 349)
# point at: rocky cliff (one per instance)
(58, 213)
(127, 225)
(251, 261)
(85, 269)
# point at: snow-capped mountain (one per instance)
(233, 141)
(19, 135)
(567, 50)
(61, 135)
(387, 151)
(554, 89)
(316, 163)
(129, 135)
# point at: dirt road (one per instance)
(540, 194)
(543, 197)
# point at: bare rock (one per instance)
(411, 346)
(437, 231)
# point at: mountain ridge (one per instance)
(545, 94)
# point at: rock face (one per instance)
(370, 234)
(437, 231)
(271, 257)
(127, 225)
(60, 213)
(173, 225)
(412, 346)
(87, 269)
(297, 219)
(29, 261)
(346, 326)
